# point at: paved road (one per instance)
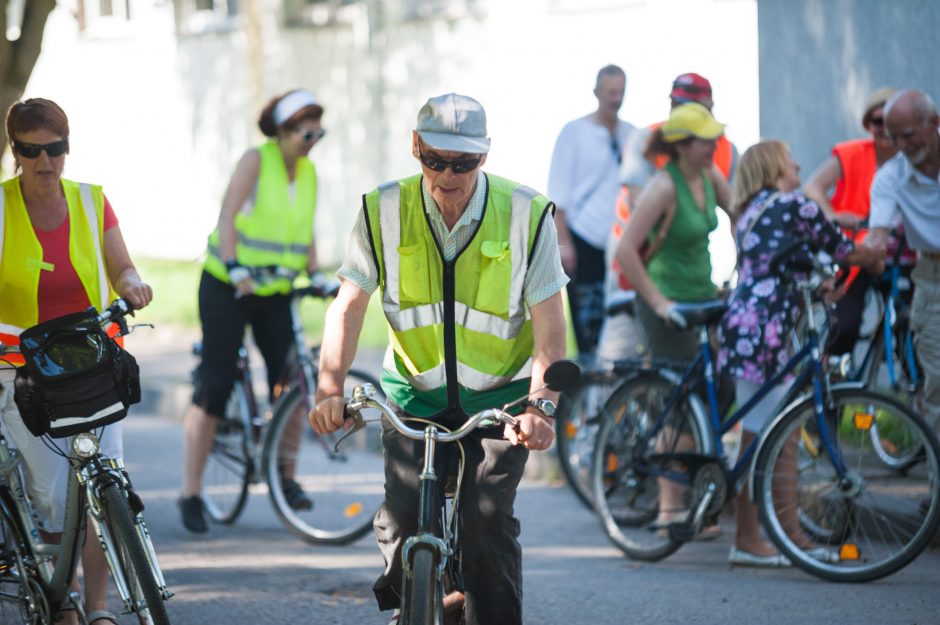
(255, 572)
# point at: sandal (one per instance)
(102, 615)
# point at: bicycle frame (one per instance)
(86, 479)
(702, 369)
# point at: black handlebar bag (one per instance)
(76, 377)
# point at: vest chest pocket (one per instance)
(495, 277)
(414, 284)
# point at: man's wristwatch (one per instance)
(545, 406)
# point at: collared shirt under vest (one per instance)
(278, 230)
(22, 255)
(461, 336)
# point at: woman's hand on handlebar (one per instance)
(328, 415)
(532, 430)
(137, 292)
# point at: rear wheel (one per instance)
(637, 492)
(577, 421)
(131, 553)
(323, 496)
(22, 599)
(229, 467)
(875, 519)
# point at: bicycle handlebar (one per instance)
(364, 397)
(116, 313)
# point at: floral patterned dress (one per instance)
(762, 311)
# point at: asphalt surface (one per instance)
(256, 572)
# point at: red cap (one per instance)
(691, 88)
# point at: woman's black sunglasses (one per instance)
(32, 150)
(458, 165)
(312, 135)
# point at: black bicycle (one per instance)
(431, 558)
(322, 495)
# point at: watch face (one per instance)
(547, 406)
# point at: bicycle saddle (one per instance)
(621, 302)
(701, 313)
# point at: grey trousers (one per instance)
(488, 531)
(925, 322)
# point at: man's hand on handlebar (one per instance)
(532, 430)
(328, 415)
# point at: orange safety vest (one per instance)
(852, 193)
(723, 158)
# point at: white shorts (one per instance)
(46, 472)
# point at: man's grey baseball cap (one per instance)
(454, 123)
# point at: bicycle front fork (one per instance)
(93, 481)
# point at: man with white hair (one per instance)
(909, 184)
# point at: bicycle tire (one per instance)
(229, 467)
(132, 556)
(577, 421)
(888, 517)
(904, 389)
(346, 488)
(424, 591)
(625, 488)
(31, 605)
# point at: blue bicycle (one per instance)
(662, 434)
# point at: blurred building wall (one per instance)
(820, 59)
(163, 101)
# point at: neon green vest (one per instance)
(22, 259)
(460, 334)
(278, 231)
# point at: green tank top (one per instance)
(682, 268)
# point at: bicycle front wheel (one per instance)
(576, 424)
(323, 496)
(229, 466)
(638, 492)
(876, 519)
(131, 555)
(423, 590)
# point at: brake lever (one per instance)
(359, 423)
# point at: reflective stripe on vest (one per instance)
(278, 231)
(19, 286)
(426, 376)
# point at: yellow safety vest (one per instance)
(461, 337)
(279, 229)
(22, 259)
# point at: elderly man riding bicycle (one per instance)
(470, 274)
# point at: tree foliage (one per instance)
(18, 57)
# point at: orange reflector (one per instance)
(353, 509)
(571, 430)
(863, 420)
(612, 463)
(848, 552)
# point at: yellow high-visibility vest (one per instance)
(279, 229)
(460, 332)
(22, 255)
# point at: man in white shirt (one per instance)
(909, 184)
(583, 182)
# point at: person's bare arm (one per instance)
(548, 328)
(121, 271)
(343, 324)
(722, 190)
(239, 188)
(817, 189)
(658, 197)
(569, 256)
